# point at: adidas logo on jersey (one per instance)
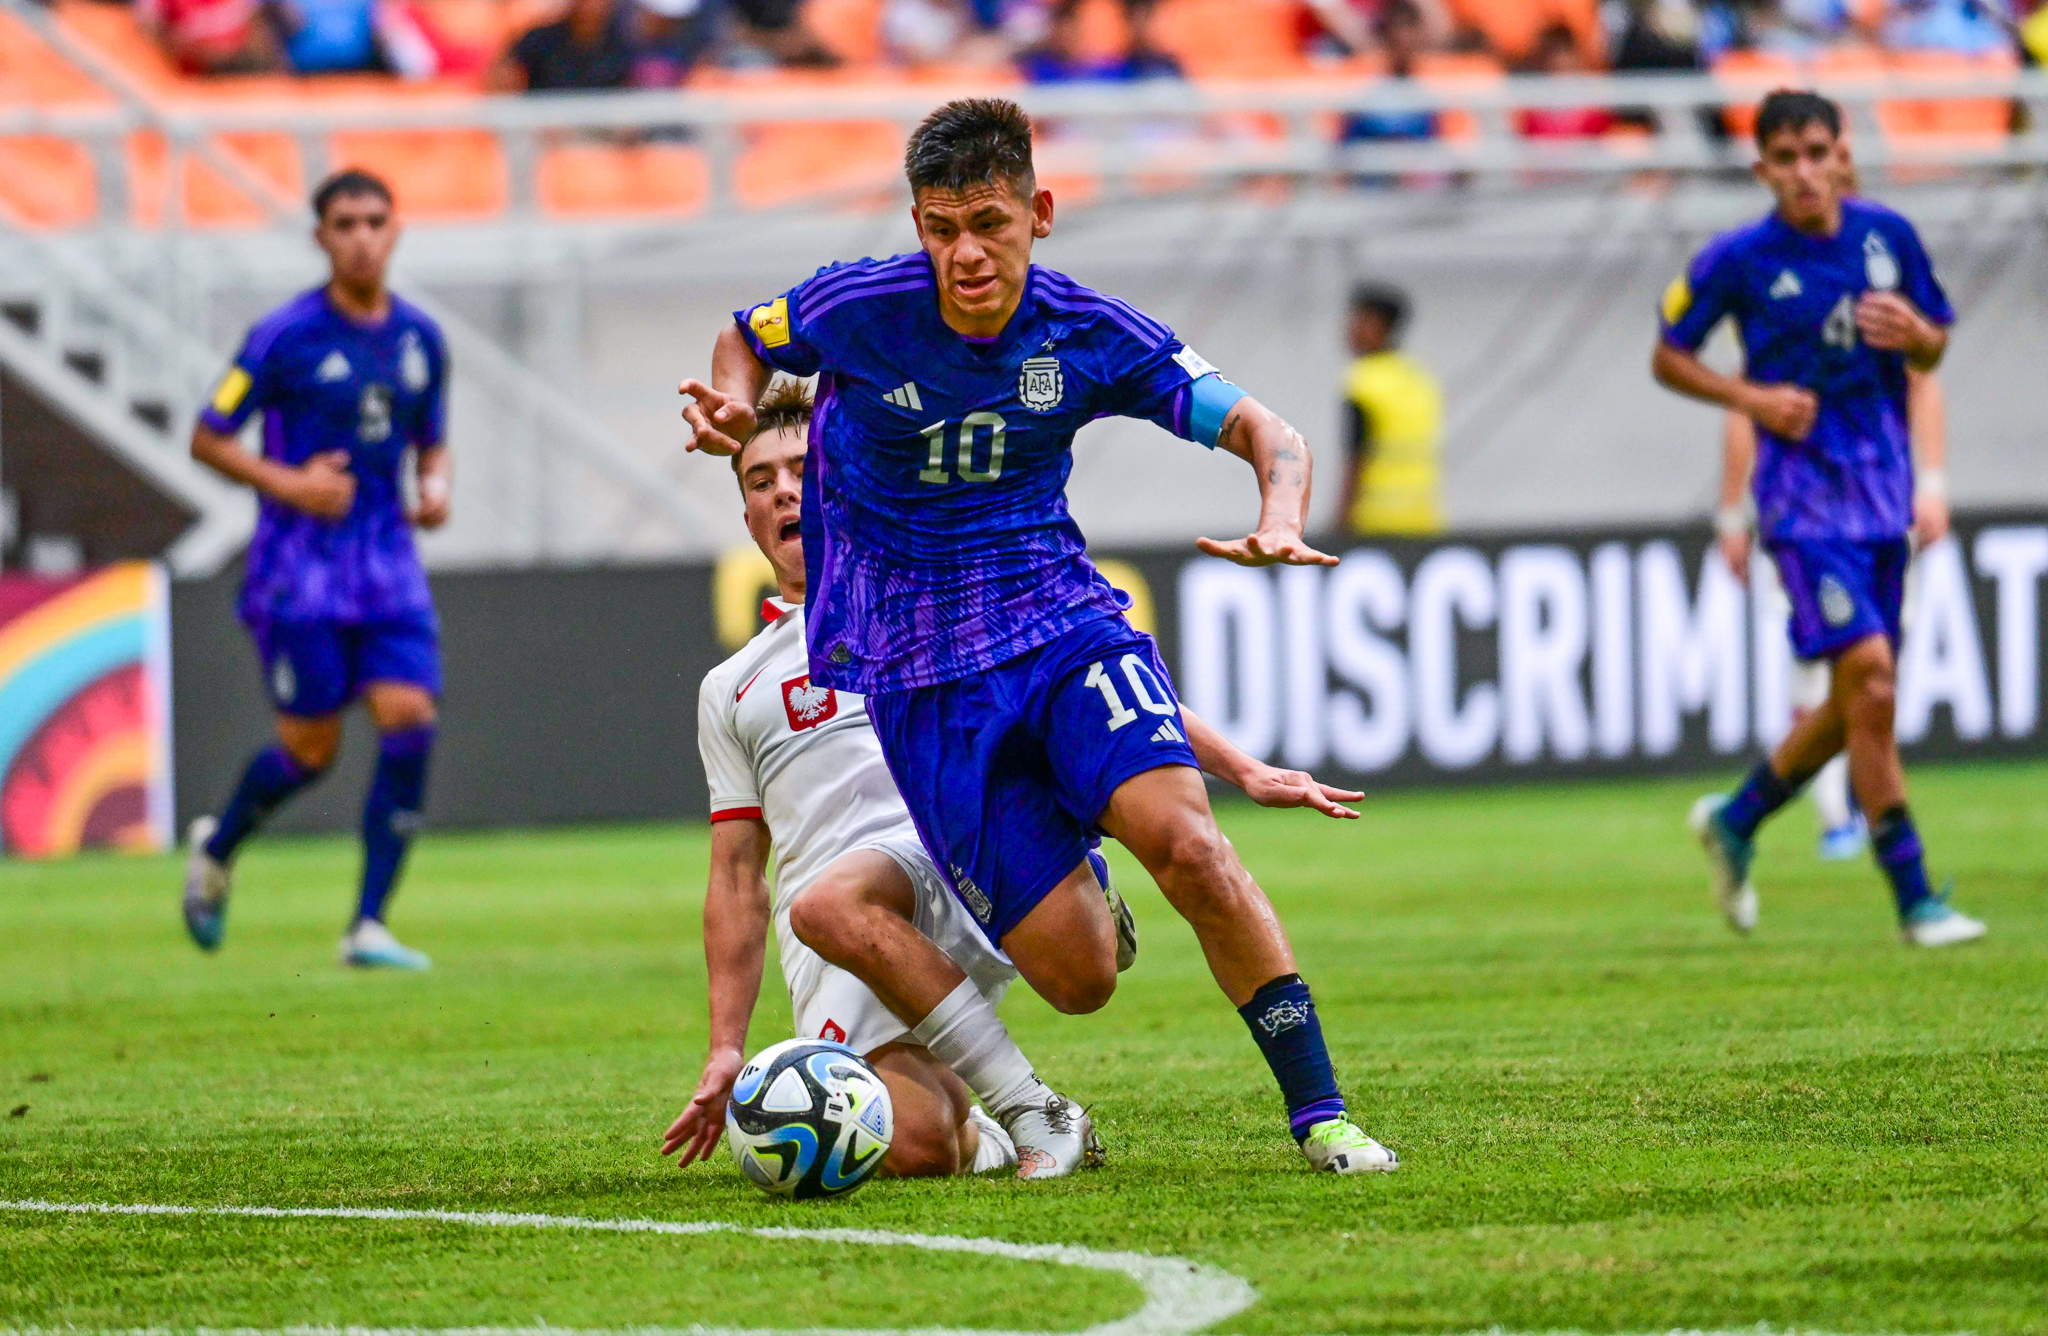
(332, 367)
(1788, 285)
(906, 397)
(1168, 733)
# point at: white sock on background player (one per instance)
(965, 1033)
(1830, 790)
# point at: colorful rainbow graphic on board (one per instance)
(85, 712)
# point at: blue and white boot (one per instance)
(1936, 922)
(1839, 844)
(207, 884)
(370, 945)
(1728, 859)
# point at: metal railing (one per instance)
(542, 409)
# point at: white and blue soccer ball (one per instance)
(809, 1118)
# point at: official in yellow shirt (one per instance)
(1394, 409)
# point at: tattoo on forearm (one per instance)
(1286, 465)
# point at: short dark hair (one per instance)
(1384, 300)
(787, 406)
(972, 141)
(1795, 109)
(348, 181)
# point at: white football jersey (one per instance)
(803, 758)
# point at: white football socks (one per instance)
(965, 1033)
(1830, 790)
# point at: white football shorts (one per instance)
(830, 1003)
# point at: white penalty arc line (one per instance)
(1181, 1297)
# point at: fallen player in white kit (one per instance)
(799, 766)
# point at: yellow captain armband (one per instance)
(770, 323)
(1677, 300)
(228, 396)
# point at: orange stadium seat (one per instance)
(1969, 121)
(208, 197)
(782, 164)
(580, 180)
(437, 175)
(1749, 76)
(31, 72)
(114, 32)
(45, 182)
(948, 79)
(1105, 32)
(1511, 27)
(850, 29)
(1461, 72)
(1846, 65)
(1231, 39)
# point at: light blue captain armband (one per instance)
(1210, 400)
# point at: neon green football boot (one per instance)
(1340, 1146)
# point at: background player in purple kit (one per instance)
(1835, 298)
(348, 378)
(1017, 708)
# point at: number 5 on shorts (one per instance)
(1139, 674)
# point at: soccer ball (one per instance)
(809, 1118)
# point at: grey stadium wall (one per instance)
(1476, 658)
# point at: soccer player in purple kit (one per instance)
(1834, 298)
(1017, 708)
(348, 378)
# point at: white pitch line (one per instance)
(1181, 1297)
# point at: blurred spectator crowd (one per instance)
(601, 44)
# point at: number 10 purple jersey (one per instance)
(937, 542)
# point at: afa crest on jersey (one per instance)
(1880, 266)
(1040, 384)
(807, 703)
(412, 362)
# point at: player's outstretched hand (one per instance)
(696, 1133)
(1888, 321)
(1783, 410)
(721, 422)
(325, 487)
(1267, 548)
(1270, 786)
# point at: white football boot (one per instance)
(1935, 922)
(1728, 860)
(997, 1151)
(206, 887)
(1053, 1138)
(1340, 1146)
(370, 945)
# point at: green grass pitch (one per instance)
(1612, 1115)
